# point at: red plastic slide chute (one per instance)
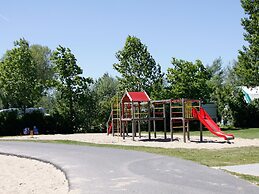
(207, 121)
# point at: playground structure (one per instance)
(136, 108)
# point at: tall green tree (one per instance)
(41, 56)
(216, 74)
(106, 87)
(45, 72)
(20, 86)
(248, 59)
(138, 69)
(73, 89)
(188, 80)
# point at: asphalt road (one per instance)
(105, 170)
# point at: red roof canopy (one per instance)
(135, 97)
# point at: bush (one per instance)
(12, 123)
(35, 118)
(9, 123)
(253, 113)
(246, 115)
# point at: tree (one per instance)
(248, 59)
(45, 72)
(188, 80)
(229, 97)
(138, 69)
(41, 56)
(106, 87)
(73, 89)
(20, 86)
(215, 83)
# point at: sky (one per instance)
(95, 30)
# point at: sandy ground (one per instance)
(101, 138)
(27, 176)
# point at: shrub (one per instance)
(9, 123)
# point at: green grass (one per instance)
(208, 157)
(249, 133)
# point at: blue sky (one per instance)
(96, 29)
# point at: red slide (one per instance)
(206, 120)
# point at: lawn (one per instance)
(248, 133)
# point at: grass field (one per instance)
(249, 133)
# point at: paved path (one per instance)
(105, 170)
(250, 169)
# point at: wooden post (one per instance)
(183, 120)
(119, 126)
(118, 115)
(154, 120)
(123, 129)
(127, 128)
(188, 130)
(171, 121)
(184, 131)
(112, 127)
(139, 117)
(149, 135)
(112, 120)
(133, 121)
(164, 118)
(139, 129)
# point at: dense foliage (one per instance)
(73, 89)
(20, 86)
(106, 87)
(187, 80)
(248, 59)
(138, 69)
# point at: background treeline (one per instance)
(35, 76)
